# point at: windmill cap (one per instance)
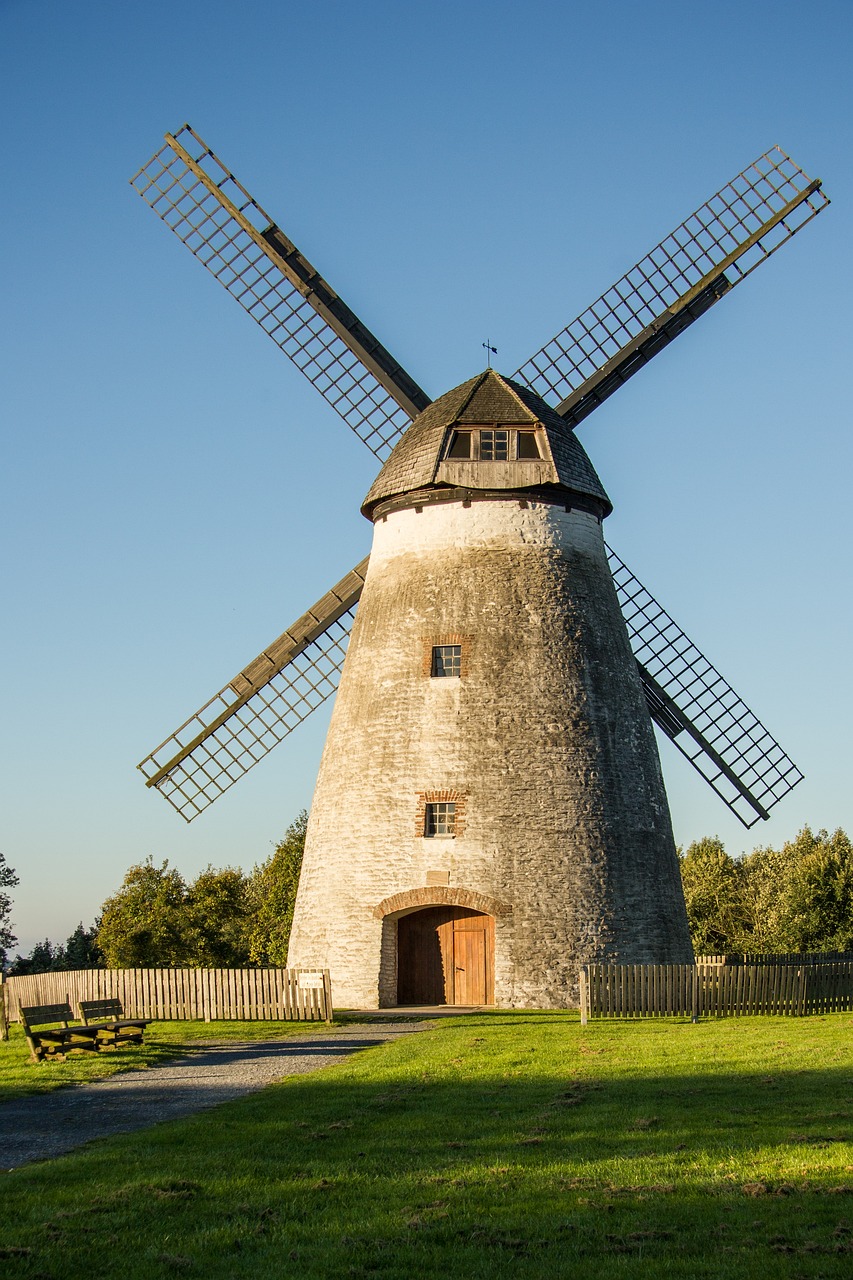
(417, 461)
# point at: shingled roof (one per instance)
(488, 398)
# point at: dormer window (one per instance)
(492, 444)
(460, 445)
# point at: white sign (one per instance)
(313, 981)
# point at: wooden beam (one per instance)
(274, 659)
(299, 272)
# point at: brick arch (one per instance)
(440, 896)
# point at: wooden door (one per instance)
(425, 957)
(469, 966)
(445, 955)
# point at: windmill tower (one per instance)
(490, 811)
(490, 779)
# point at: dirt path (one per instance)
(40, 1126)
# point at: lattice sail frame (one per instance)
(698, 709)
(256, 710)
(713, 250)
(228, 231)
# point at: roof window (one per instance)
(492, 444)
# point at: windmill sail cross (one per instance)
(697, 264)
(714, 249)
(214, 215)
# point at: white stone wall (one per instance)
(546, 736)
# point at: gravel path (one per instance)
(41, 1126)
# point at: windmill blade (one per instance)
(229, 232)
(259, 707)
(699, 711)
(713, 250)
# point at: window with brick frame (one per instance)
(446, 660)
(440, 818)
(440, 813)
(447, 653)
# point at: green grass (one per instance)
(163, 1041)
(497, 1145)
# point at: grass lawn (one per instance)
(498, 1145)
(163, 1041)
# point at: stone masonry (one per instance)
(566, 828)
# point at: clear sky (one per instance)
(174, 493)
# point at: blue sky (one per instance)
(174, 494)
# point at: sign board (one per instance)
(313, 981)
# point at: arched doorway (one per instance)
(445, 955)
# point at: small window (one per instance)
(494, 446)
(460, 445)
(440, 819)
(527, 445)
(446, 660)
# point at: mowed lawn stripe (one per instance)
(494, 1145)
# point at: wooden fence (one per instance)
(714, 989)
(302, 995)
(785, 957)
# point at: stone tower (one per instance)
(489, 812)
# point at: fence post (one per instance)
(696, 993)
(4, 1018)
(584, 995)
(327, 996)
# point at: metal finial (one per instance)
(490, 350)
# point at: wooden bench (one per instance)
(47, 1040)
(106, 1018)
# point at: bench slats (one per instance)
(118, 1030)
(50, 1040)
(47, 1040)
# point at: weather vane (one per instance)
(490, 351)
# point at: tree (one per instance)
(44, 958)
(81, 948)
(802, 894)
(8, 880)
(218, 919)
(794, 899)
(272, 895)
(145, 923)
(765, 873)
(79, 952)
(155, 919)
(222, 920)
(713, 895)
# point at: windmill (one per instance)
(489, 811)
